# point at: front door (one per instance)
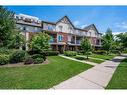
(60, 48)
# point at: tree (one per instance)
(107, 41)
(7, 26)
(86, 46)
(40, 42)
(122, 38)
(17, 40)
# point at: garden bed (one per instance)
(20, 64)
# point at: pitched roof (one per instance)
(86, 29)
(90, 26)
(67, 19)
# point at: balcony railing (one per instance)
(54, 40)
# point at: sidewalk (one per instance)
(97, 77)
(90, 63)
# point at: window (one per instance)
(60, 38)
(50, 27)
(24, 28)
(60, 28)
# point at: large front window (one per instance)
(60, 38)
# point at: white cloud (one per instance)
(115, 33)
(82, 26)
(122, 25)
(76, 23)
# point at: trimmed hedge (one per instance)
(50, 53)
(80, 58)
(4, 59)
(18, 56)
(70, 53)
(100, 52)
(45, 53)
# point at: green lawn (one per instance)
(105, 57)
(95, 60)
(40, 76)
(119, 79)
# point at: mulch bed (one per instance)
(22, 64)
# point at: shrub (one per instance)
(4, 59)
(34, 51)
(4, 50)
(116, 51)
(38, 60)
(50, 53)
(18, 56)
(29, 60)
(80, 58)
(70, 53)
(37, 56)
(100, 52)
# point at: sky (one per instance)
(113, 17)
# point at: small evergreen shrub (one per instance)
(18, 56)
(70, 53)
(4, 59)
(38, 60)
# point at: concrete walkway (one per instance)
(87, 62)
(97, 77)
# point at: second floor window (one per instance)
(60, 28)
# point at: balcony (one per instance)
(28, 23)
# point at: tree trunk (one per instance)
(87, 56)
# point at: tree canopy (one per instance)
(7, 26)
(40, 42)
(86, 46)
(108, 40)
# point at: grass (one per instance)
(105, 57)
(95, 60)
(119, 79)
(90, 59)
(40, 76)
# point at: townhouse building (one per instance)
(63, 34)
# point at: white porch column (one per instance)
(27, 39)
(75, 39)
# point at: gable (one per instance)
(91, 27)
(66, 20)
